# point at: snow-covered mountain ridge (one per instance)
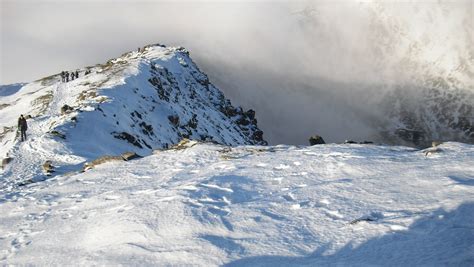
(141, 101)
(208, 205)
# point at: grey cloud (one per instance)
(305, 66)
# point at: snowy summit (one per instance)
(144, 100)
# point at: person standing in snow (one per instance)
(77, 74)
(22, 126)
(62, 76)
(67, 76)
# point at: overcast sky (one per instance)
(39, 38)
(308, 66)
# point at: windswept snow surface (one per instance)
(212, 205)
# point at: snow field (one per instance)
(251, 206)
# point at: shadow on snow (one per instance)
(440, 239)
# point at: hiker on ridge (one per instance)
(22, 126)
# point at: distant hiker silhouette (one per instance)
(62, 76)
(77, 74)
(22, 126)
(66, 74)
(72, 76)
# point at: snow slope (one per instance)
(137, 102)
(209, 205)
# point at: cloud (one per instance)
(306, 67)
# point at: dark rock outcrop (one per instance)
(174, 120)
(66, 109)
(350, 142)
(316, 140)
(48, 167)
(130, 156)
(129, 138)
(58, 134)
(5, 162)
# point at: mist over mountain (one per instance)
(393, 72)
(128, 153)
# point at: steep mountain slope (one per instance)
(208, 205)
(138, 102)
